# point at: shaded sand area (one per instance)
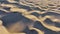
(30, 16)
(3, 30)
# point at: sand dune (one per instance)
(17, 15)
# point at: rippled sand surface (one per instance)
(29, 16)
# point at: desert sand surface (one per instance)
(29, 16)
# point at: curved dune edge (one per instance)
(39, 31)
(3, 30)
